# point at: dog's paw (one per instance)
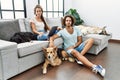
(44, 71)
(64, 59)
(71, 59)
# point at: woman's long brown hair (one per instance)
(46, 26)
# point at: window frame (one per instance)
(14, 10)
(52, 11)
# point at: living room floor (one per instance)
(109, 58)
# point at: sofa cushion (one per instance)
(28, 48)
(27, 24)
(98, 39)
(8, 28)
(54, 21)
(22, 25)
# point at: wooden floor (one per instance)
(109, 58)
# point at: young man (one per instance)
(74, 46)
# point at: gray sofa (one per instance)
(16, 58)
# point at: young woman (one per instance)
(39, 26)
(73, 44)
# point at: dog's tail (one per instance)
(59, 52)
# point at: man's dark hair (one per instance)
(72, 18)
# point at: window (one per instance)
(12, 9)
(52, 8)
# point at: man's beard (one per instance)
(69, 25)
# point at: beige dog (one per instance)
(92, 30)
(54, 57)
(51, 58)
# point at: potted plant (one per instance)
(75, 14)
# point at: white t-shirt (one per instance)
(39, 25)
(69, 39)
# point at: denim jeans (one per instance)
(47, 35)
(44, 36)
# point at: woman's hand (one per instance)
(41, 33)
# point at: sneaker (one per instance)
(79, 62)
(99, 69)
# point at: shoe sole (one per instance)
(79, 62)
(103, 72)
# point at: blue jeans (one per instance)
(47, 35)
(42, 37)
(53, 31)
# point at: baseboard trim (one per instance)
(114, 40)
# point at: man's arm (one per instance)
(79, 41)
(51, 44)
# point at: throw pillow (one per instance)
(8, 29)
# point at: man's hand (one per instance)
(71, 47)
(51, 44)
(59, 28)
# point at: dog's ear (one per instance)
(104, 32)
(44, 49)
(55, 48)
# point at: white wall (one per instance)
(93, 12)
(30, 4)
(68, 4)
(100, 13)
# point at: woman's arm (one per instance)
(49, 28)
(34, 29)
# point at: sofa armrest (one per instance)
(98, 39)
(4, 45)
(8, 59)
